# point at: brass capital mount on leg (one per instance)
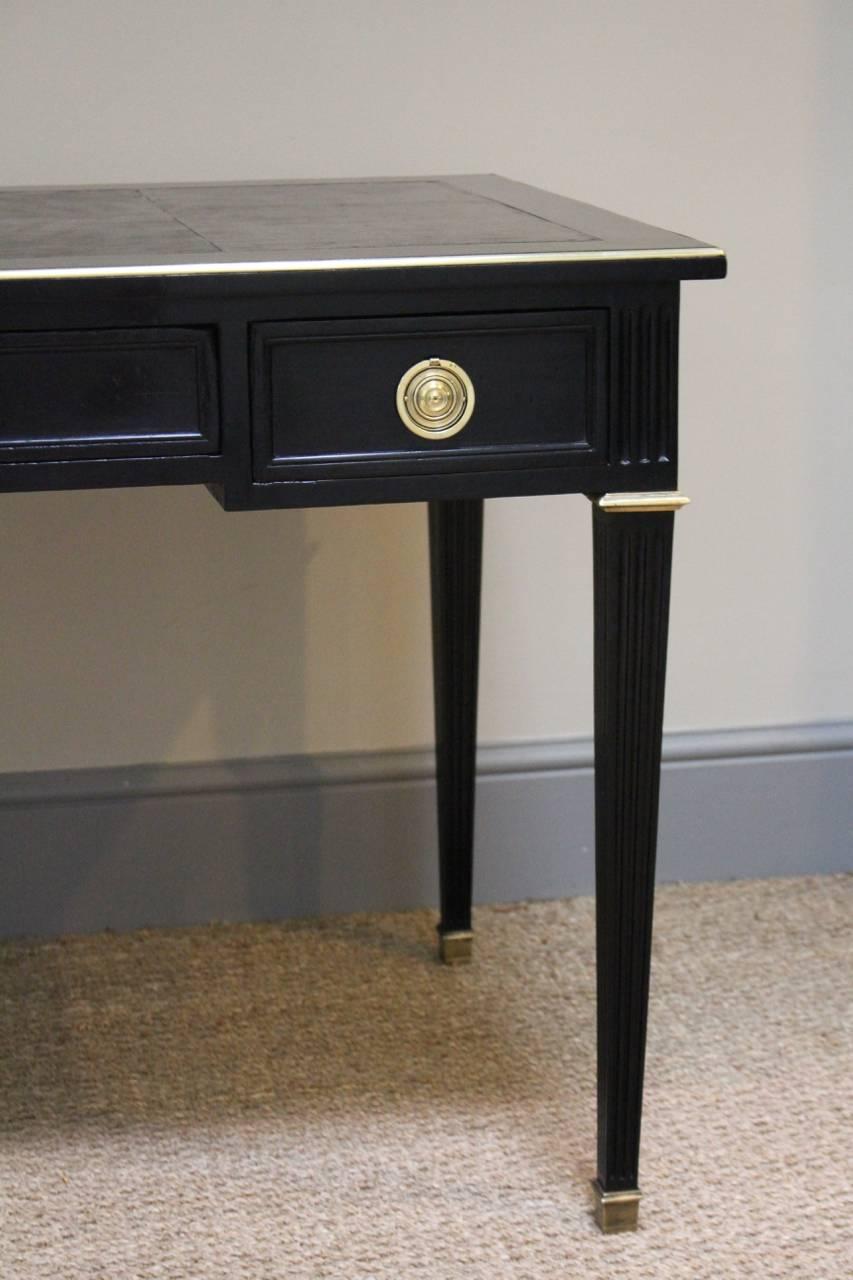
(616, 1210)
(627, 503)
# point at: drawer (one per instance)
(107, 393)
(325, 394)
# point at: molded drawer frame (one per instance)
(358, 431)
(64, 394)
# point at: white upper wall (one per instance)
(148, 625)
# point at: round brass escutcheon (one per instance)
(435, 398)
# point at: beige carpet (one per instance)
(323, 1100)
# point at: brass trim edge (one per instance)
(627, 502)
(455, 948)
(353, 264)
(616, 1210)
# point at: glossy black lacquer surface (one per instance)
(575, 386)
(539, 379)
(456, 555)
(632, 560)
(251, 337)
(307, 301)
(138, 393)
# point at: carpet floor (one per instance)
(323, 1100)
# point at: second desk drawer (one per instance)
(102, 394)
(324, 393)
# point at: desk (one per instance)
(447, 340)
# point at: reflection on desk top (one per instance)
(221, 228)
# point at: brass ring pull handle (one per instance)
(435, 398)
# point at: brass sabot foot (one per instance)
(455, 948)
(616, 1210)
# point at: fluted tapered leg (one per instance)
(456, 548)
(633, 553)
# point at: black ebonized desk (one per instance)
(428, 339)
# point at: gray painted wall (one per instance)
(299, 836)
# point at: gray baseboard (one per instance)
(300, 836)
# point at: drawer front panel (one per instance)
(101, 394)
(325, 394)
